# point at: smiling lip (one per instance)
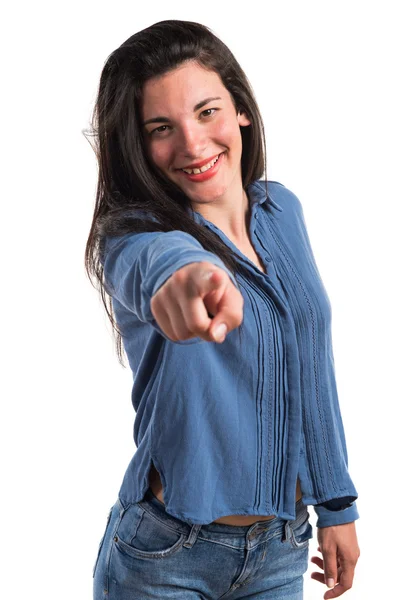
(202, 163)
(206, 175)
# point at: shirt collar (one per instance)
(257, 194)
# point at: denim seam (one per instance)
(106, 582)
(273, 536)
(153, 516)
(295, 543)
(157, 554)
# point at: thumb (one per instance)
(213, 284)
(219, 329)
(219, 332)
(229, 314)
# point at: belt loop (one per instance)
(194, 532)
(286, 536)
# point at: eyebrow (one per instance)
(197, 107)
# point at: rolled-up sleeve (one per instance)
(326, 517)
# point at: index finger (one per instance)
(344, 584)
(229, 313)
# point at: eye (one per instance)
(161, 129)
(158, 129)
(207, 110)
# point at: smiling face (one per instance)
(194, 121)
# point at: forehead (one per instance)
(179, 90)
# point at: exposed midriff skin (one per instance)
(154, 477)
(157, 489)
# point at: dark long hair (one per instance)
(127, 181)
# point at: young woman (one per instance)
(212, 286)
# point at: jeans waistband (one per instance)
(153, 505)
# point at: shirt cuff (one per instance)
(327, 518)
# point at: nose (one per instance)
(192, 141)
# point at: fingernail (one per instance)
(220, 332)
(208, 274)
(330, 583)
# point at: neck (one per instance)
(230, 213)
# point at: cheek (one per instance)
(228, 132)
(159, 154)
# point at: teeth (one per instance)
(202, 169)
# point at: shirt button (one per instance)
(268, 258)
(256, 216)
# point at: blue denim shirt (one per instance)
(231, 426)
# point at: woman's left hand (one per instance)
(339, 547)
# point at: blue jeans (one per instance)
(146, 553)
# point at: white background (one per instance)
(326, 78)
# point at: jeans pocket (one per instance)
(140, 534)
(102, 540)
(300, 534)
